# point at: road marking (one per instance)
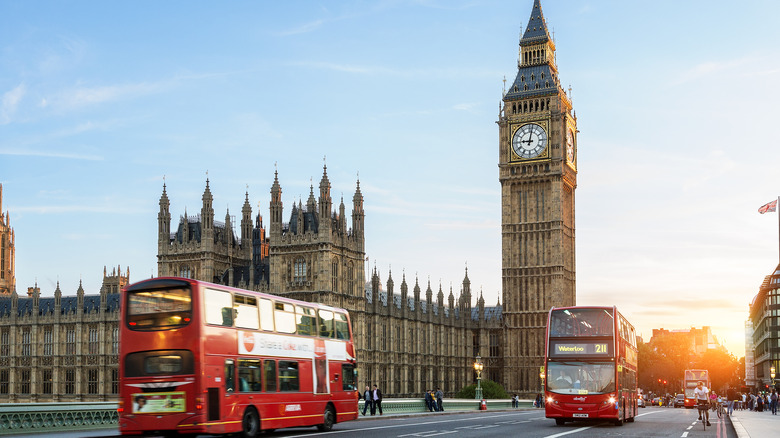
(685, 434)
(648, 413)
(478, 426)
(689, 428)
(395, 426)
(429, 433)
(577, 430)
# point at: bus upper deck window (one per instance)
(159, 309)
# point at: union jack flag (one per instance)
(770, 207)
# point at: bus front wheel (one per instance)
(560, 421)
(328, 418)
(250, 424)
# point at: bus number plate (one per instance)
(580, 415)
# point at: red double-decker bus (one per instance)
(590, 365)
(690, 379)
(197, 357)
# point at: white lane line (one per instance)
(648, 413)
(689, 428)
(685, 434)
(430, 433)
(579, 429)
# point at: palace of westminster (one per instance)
(409, 337)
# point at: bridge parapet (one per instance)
(21, 418)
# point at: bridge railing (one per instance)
(19, 418)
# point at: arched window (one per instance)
(351, 278)
(300, 270)
(334, 274)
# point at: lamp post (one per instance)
(478, 368)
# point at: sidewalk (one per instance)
(749, 424)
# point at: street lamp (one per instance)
(772, 375)
(478, 368)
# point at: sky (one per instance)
(102, 102)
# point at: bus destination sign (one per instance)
(562, 348)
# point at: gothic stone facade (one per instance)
(406, 343)
(61, 348)
(7, 250)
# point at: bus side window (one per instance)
(306, 321)
(284, 314)
(326, 323)
(246, 312)
(288, 376)
(249, 375)
(218, 307)
(230, 372)
(266, 315)
(348, 381)
(342, 326)
(269, 371)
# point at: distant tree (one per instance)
(490, 390)
(661, 365)
(723, 369)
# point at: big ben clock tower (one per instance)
(538, 173)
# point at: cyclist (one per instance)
(702, 401)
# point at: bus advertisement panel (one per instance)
(202, 358)
(590, 365)
(690, 379)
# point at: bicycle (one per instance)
(703, 407)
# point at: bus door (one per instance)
(231, 396)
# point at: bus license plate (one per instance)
(580, 415)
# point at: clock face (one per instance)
(529, 141)
(570, 145)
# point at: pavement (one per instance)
(750, 424)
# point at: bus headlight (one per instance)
(612, 400)
(552, 400)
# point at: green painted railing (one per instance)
(411, 406)
(21, 418)
(25, 418)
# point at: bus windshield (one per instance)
(580, 377)
(581, 322)
(159, 309)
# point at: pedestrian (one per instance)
(428, 400)
(376, 397)
(773, 402)
(439, 397)
(539, 400)
(514, 401)
(368, 400)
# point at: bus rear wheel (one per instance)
(328, 418)
(250, 424)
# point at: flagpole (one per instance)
(777, 210)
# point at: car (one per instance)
(640, 402)
(679, 401)
(656, 401)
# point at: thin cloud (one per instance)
(49, 154)
(80, 97)
(710, 68)
(10, 102)
(305, 28)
